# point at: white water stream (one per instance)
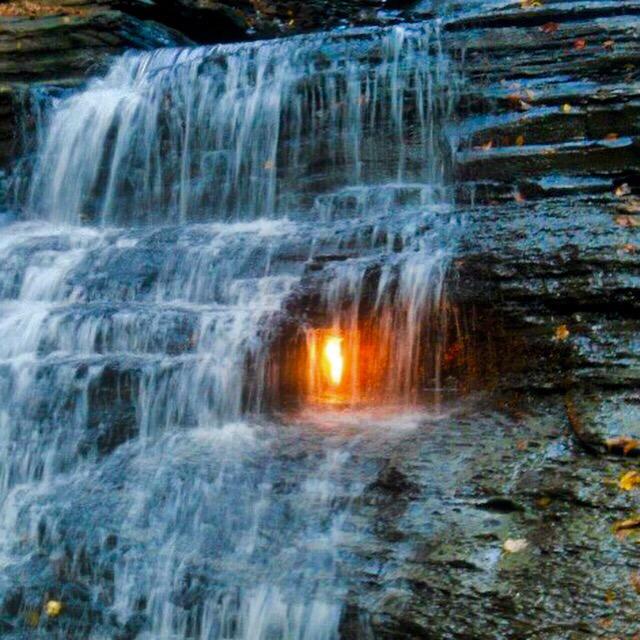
(169, 212)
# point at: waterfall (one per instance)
(243, 132)
(169, 213)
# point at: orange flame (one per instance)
(334, 359)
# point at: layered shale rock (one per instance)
(549, 173)
(550, 169)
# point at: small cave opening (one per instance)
(455, 350)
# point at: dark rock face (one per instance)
(554, 164)
(548, 172)
(62, 47)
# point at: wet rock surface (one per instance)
(551, 164)
(549, 170)
(526, 481)
(552, 160)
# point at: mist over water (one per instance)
(169, 213)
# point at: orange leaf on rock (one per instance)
(561, 333)
(580, 44)
(549, 27)
(629, 248)
(605, 623)
(629, 523)
(516, 101)
(453, 353)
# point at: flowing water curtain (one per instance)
(393, 327)
(123, 425)
(240, 132)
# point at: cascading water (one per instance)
(171, 210)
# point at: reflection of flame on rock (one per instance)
(334, 359)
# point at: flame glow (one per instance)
(334, 358)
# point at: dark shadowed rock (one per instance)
(392, 481)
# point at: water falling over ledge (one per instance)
(247, 131)
(174, 211)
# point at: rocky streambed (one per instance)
(502, 516)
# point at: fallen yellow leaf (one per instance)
(520, 141)
(622, 190)
(629, 480)
(32, 618)
(53, 608)
(561, 333)
(566, 108)
(629, 523)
